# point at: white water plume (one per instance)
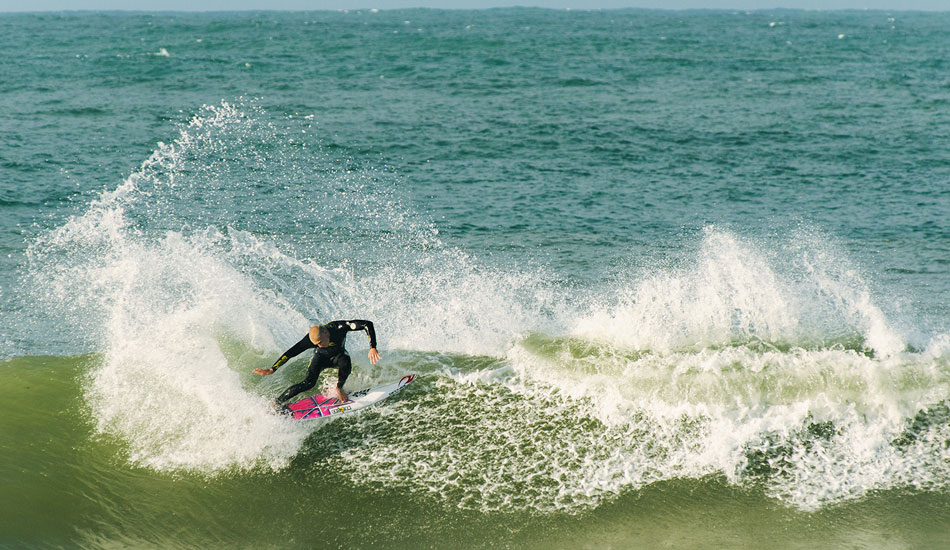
(765, 363)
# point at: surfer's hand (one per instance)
(263, 372)
(373, 355)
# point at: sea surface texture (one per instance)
(667, 279)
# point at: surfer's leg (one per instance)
(317, 364)
(343, 363)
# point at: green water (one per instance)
(60, 468)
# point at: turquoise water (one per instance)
(668, 278)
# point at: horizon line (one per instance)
(487, 8)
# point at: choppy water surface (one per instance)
(668, 278)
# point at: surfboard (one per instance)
(322, 406)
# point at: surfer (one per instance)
(328, 340)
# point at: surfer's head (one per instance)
(320, 336)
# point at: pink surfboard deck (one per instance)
(321, 406)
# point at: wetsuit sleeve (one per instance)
(298, 348)
(366, 326)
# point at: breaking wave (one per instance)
(769, 362)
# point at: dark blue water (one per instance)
(672, 258)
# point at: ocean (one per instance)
(667, 279)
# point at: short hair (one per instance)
(320, 335)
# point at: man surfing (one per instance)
(328, 340)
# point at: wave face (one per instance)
(768, 362)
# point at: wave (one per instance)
(772, 363)
(799, 293)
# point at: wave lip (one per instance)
(801, 294)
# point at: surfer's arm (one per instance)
(366, 326)
(303, 345)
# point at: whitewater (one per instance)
(763, 363)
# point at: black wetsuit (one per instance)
(333, 356)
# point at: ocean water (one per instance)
(668, 279)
